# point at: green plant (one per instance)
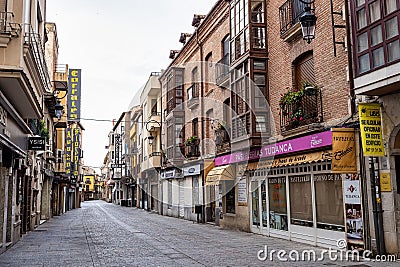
(295, 95)
(191, 140)
(43, 131)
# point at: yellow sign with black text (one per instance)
(371, 129)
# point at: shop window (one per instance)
(255, 212)
(329, 201)
(278, 218)
(229, 196)
(301, 200)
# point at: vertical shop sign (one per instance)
(343, 151)
(74, 95)
(371, 129)
(68, 151)
(116, 148)
(76, 148)
(353, 211)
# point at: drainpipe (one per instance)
(349, 57)
(200, 45)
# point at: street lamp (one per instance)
(60, 86)
(308, 21)
(150, 124)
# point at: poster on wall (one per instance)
(371, 129)
(353, 211)
(242, 191)
(343, 151)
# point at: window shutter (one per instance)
(304, 71)
(3, 5)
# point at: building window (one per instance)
(376, 33)
(174, 88)
(239, 28)
(259, 38)
(261, 123)
(208, 72)
(301, 200)
(257, 11)
(304, 70)
(195, 127)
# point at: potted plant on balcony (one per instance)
(191, 140)
(44, 132)
(310, 89)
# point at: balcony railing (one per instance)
(193, 95)
(222, 141)
(303, 112)
(289, 14)
(192, 150)
(222, 70)
(36, 45)
(7, 26)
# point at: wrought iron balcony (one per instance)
(7, 26)
(222, 140)
(304, 111)
(193, 95)
(192, 149)
(35, 46)
(222, 70)
(289, 14)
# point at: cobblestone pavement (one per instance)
(104, 234)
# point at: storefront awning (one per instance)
(291, 160)
(221, 173)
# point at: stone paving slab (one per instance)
(104, 234)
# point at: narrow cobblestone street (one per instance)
(104, 234)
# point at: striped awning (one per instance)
(220, 173)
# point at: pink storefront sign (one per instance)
(290, 146)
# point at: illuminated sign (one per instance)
(74, 95)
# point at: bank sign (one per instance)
(371, 129)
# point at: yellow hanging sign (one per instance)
(371, 129)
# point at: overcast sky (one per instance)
(117, 44)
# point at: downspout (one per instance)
(349, 57)
(200, 45)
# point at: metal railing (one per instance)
(222, 140)
(192, 150)
(7, 26)
(193, 95)
(222, 70)
(303, 112)
(36, 45)
(290, 12)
